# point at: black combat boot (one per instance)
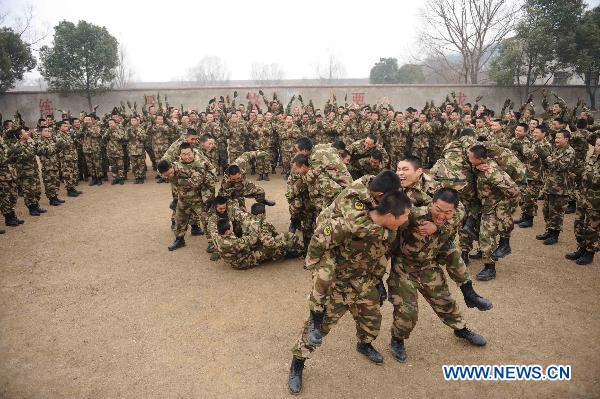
(273, 171)
(527, 222)
(473, 299)
(398, 350)
(93, 181)
(10, 219)
(197, 230)
(53, 201)
(210, 248)
(295, 379)
(315, 337)
(470, 227)
(553, 238)
(571, 255)
(370, 352)
(137, 180)
(115, 181)
(586, 258)
(62, 201)
(33, 210)
(268, 202)
(173, 204)
(503, 248)
(121, 180)
(71, 192)
(99, 181)
(476, 255)
(488, 272)
(544, 235)
(266, 177)
(19, 221)
(571, 207)
(465, 256)
(178, 243)
(292, 254)
(260, 177)
(471, 336)
(294, 225)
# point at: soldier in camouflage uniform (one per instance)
(420, 188)
(362, 149)
(8, 184)
(223, 208)
(348, 258)
(236, 133)
(161, 140)
(115, 137)
(26, 166)
(426, 243)
(587, 219)
(92, 138)
(496, 191)
(137, 137)
(213, 128)
(236, 186)
(69, 157)
(557, 185)
(579, 143)
(302, 212)
(535, 169)
(209, 149)
(421, 132)
(289, 133)
(47, 150)
(398, 134)
(371, 165)
(262, 132)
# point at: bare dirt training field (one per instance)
(92, 305)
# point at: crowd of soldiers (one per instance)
(366, 186)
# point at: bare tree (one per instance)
(124, 73)
(266, 73)
(210, 71)
(469, 29)
(332, 69)
(25, 26)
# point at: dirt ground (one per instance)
(92, 305)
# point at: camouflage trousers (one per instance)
(51, 182)
(70, 172)
(302, 209)
(105, 160)
(31, 187)
(151, 155)
(223, 157)
(159, 151)
(473, 209)
(494, 222)
(587, 226)
(94, 163)
(117, 167)
(554, 210)
(188, 213)
(8, 196)
(286, 160)
(263, 253)
(138, 165)
(529, 206)
(456, 268)
(363, 305)
(403, 283)
(263, 164)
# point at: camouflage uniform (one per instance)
(245, 188)
(92, 143)
(497, 191)
(235, 147)
(288, 136)
(347, 258)
(8, 179)
(137, 137)
(300, 206)
(236, 216)
(416, 267)
(535, 168)
(161, 139)
(214, 129)
(587, 220)
(114, 150)
(69, 158)
(359, 151)
(47, 150)
(27, 171)
(263, 133)
(398, 137)
(557, 186)
(420, 136)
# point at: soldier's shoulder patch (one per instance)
(327, 230)
(359, 206)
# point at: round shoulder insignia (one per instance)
(327, 230)
(359, 205)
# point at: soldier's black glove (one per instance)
(382, 293)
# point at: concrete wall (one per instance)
(401, 96)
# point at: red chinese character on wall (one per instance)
(46, 107)
(358, 98)
(461, 98)
(253, 98)
(150, 100)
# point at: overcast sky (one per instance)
(164, 39)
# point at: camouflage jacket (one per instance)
(47, 150)
(188, 182)
(68, 152)
(590, 183)
(115, 139)
(137, 137)
(422, 191)
(558, 167)
(495, 186)
(92, 137)
(236, 133)
(358, 151)
(398, 135)
(7, 157)
(288, 136)
(421, 134)
(25, 162)
(535, 154)
(172, 153)
(262, 133)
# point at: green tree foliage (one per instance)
(411, 73)
(82, 59)
(15, 59)
(384, 72)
